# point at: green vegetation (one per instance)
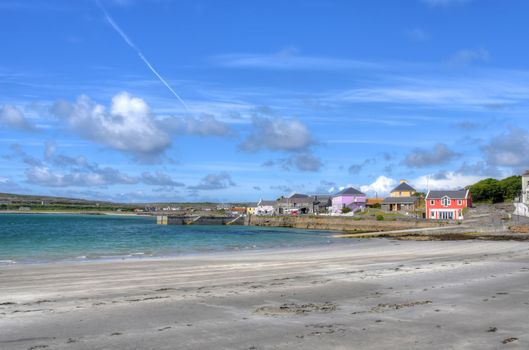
(380, 217)
(496, 191)
(346, 210)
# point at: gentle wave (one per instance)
(8, 262)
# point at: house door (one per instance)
(446, 215)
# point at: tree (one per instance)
(511, 187)
(494, 191)
(487, 190)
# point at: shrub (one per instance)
(346, 210)
(380, 217)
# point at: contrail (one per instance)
(135, 48)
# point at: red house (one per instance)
(447, 205)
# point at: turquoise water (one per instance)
(34, 238)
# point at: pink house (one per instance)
(350, 198)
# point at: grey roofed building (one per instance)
(322, 197)
(349, 191)
(303, 204)
(402, 187)
(296, 201)
(400, 203)
(322, 203)
(393, 200)
(459, 194)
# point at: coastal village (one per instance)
(404, 199)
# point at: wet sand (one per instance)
(369, 294)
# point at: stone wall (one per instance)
(337, 223)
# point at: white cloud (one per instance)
(278, 134)
(159, 179)
(380, 187)
(201, 125)
(449, 181)
(214, 182)
(128, 125)
(510, 149)
(44, 176)
(13, 117)
(288, 59)
(439, 154)
(464, 57)
(301, 161)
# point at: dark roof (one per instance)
(349, 191)
(263, 202)
(298, 195)
(397, 200)
(403, 187)
(526, 173)
(460, 194)
(322, 196)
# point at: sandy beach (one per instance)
(370, 294)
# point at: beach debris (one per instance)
(387, 307)
(296, 309)
(509, 340)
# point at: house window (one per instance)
(445, 201)
(459, 202)
(432, 202)
(432, 215)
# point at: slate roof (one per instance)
(298, 195)
(323, 197)
(400, 200)
(526, 173)
(460, 194)
(349, 191)
(403, 187)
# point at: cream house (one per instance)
(525, 187)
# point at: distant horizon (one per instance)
(133, 101)
(254, 200)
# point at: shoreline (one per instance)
(135, 257)
(373, 295)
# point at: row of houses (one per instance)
(436, 205)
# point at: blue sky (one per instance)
(162, 100)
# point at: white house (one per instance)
(525, 188)
(522, 208)
(265, 208)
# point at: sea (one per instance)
(49, 238)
